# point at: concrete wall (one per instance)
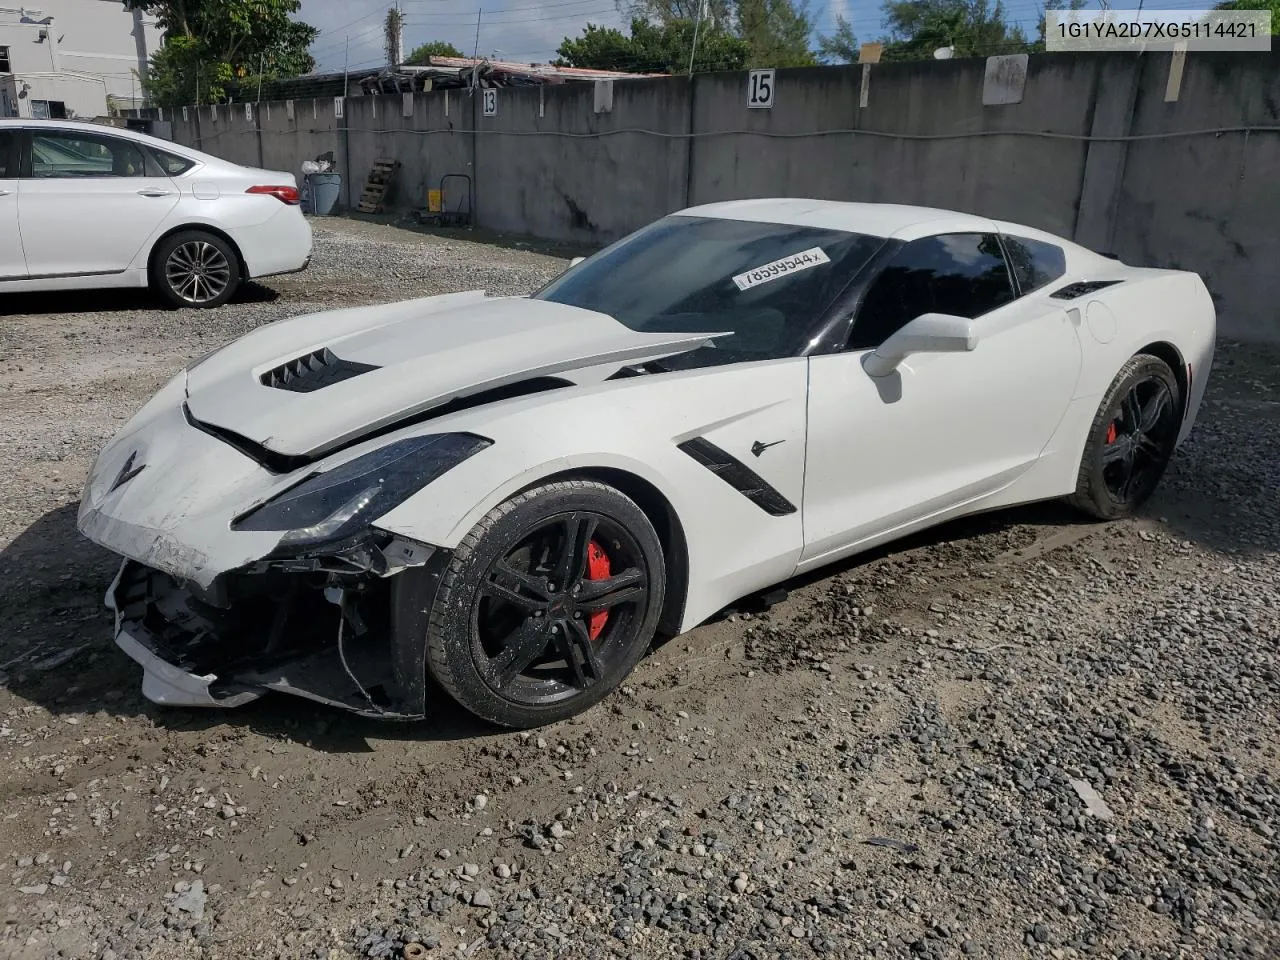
(964, 168)
(1209, 203)
(1127, 153)
(594, 180)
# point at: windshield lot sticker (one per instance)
(803, 260)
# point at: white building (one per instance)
(65, 58)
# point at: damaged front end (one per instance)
(346, 630)
(239, 580)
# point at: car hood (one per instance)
(303, 386)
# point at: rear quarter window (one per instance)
(1034, 262)
(172, 164)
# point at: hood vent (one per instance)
(314, 371)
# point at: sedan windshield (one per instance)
(767, 284)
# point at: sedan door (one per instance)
(944, 429)
(13, 265)
(88, 202)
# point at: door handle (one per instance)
(4, 193)
(151, 192)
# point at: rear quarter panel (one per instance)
(1150, 307)
(273, 237)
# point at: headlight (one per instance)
(330, 507)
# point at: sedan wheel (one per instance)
(1132, 440)
(548, 604)
(196, 269)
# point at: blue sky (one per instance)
(530, 30)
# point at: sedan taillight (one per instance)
(283, 194)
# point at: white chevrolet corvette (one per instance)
(511, 496)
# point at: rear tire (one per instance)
(195, 268)
(1131, 440)
(547, 604)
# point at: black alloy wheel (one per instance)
(1132, 439)
(545, 629)
(548, 604)
(1138, 440)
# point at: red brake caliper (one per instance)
(598, 568)
(1111, 432)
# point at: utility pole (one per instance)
(696, 23)
(475, 54)
(346, 59)
(393, 34)
(261, 67)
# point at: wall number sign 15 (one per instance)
(760, 90)
(490, 101)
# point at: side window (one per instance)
(59, 154)
(1034, 262)
(958, 273)
(8, 154)
(172, 164)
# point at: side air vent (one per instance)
(1082, 288)
(315, 371)
(739, 476)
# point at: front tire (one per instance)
(1131, 441)
(547, 604)
(195, 268)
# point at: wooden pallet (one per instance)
(381, 177)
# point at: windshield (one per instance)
(765, 283)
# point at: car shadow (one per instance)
(55, 302)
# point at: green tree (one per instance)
(1041, 35)
(777, 31)
(732, 34)
(718, 14)
(654, 48)
(840, 46)
(1272, 5)
(974, 27)
(423, 53)
(602, 48)
(211, 45)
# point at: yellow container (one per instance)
(433, 201)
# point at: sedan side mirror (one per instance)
(927, 333)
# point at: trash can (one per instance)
(320, 192)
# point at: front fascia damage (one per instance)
(343, 629)
(340, 622)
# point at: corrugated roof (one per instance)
(540, 69)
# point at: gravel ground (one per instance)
(1018, 735)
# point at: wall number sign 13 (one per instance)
(760, 89)
(490, 101)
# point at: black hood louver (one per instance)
(314, 371)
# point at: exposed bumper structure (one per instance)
(278, 632)
(163, 682)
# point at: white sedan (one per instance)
(511, 496)
(86, 206)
